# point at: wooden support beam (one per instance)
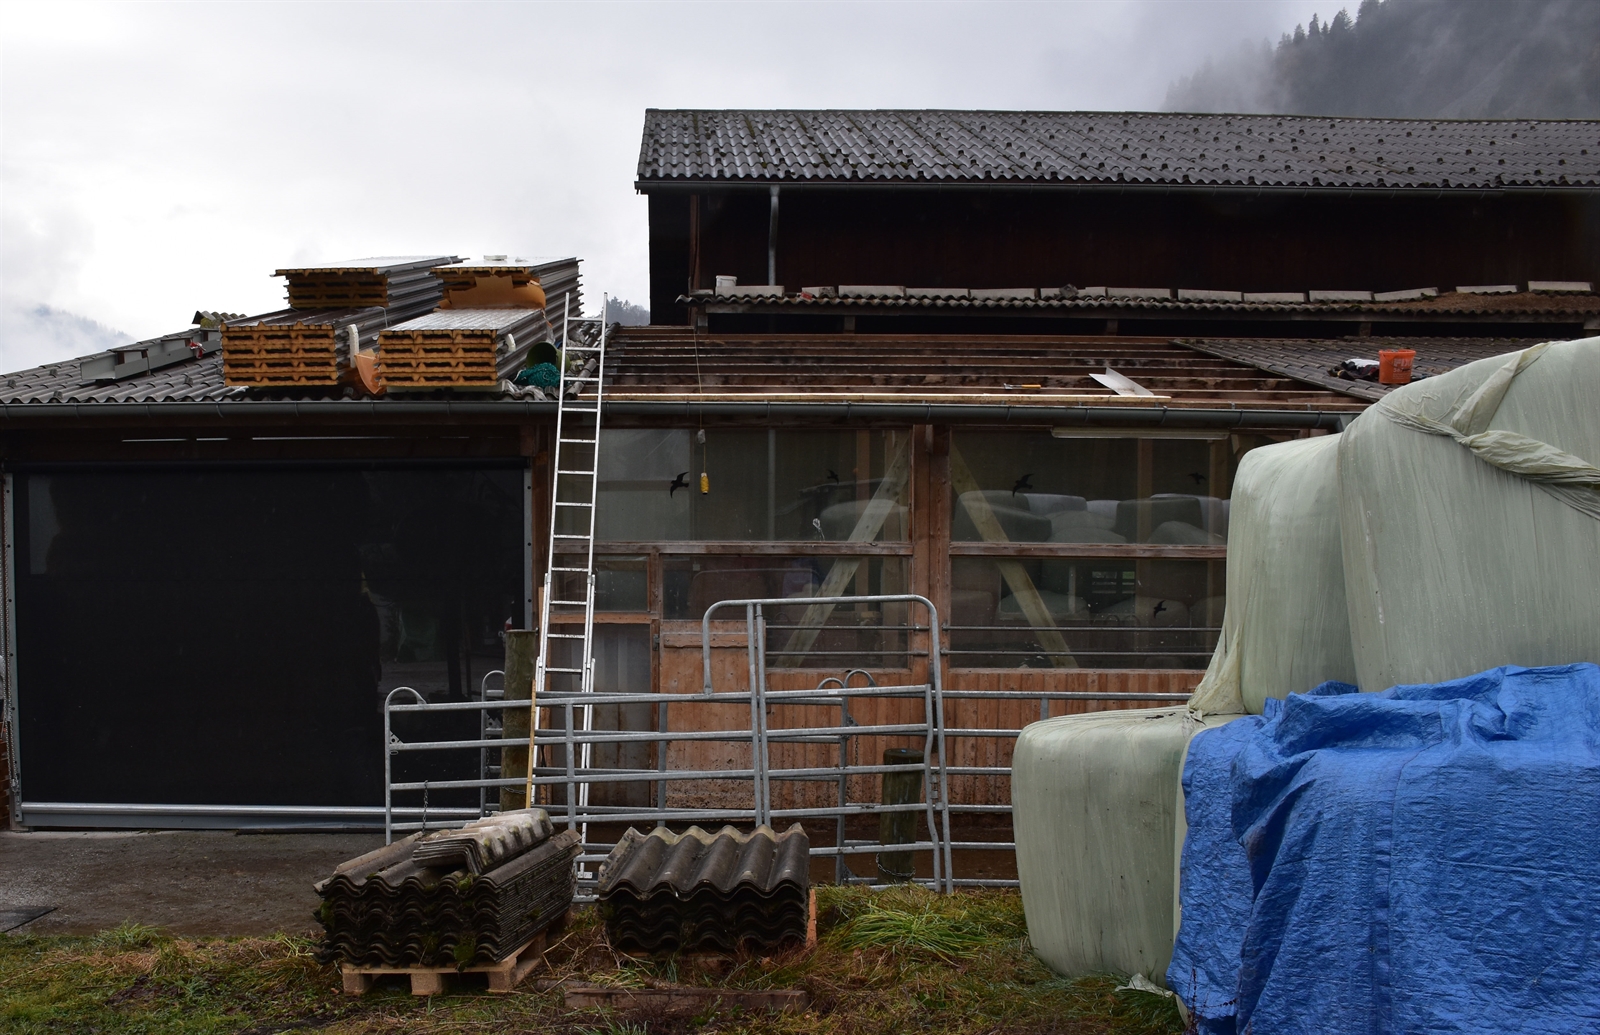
(965, 486)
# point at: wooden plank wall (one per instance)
(682, 677)
(1011, 714)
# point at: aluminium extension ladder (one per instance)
(569, 581)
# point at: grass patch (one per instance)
(887, 962)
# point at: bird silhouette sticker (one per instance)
(1024, 483)
(680, 482)
(1199, 479)
(1161, 605)
(833, 476)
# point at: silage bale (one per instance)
(1095, 813)
(1471, 519)
(1286, 627)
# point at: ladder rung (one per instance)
(578, 441)
(575, 472)
(562, 503)
(569, 603)
(565, 636)
(583, 571)
(564, 535)
(567, 671)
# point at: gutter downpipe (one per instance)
(772, 240)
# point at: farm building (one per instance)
(1007, 362)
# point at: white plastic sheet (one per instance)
(1470, 508)
(1095, 810)
(1286, 627)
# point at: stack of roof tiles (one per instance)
(664, 892)
(454, 898)
(307, 344)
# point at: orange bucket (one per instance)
(1394, 366)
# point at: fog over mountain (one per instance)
(1415, 59)
(32, 334)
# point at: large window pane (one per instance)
(1095, 613)
(866, 635)
(1029, 486)
(765, 485)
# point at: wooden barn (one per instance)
(1005, 361)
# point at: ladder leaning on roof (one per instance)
(569, 570)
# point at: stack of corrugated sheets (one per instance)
(459, 897)
(307, 345)
(388, 282)
(696, 891)
(458, 348)
(562, 292)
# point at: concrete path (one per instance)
(187, 882)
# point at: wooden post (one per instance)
(522, 655)
(934, 507)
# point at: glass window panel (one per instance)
(867, 635)
(1033, 487)
(620, 583)
(765, 485)
(1101, 612)
(622, 665)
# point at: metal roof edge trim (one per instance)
(910, 413)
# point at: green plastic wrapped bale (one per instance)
(1094, 804)
(1286, 628)
(1470, 510)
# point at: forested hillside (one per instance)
(1416, 59)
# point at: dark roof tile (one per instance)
(1077, 147)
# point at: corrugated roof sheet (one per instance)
(1312, 360)
(1075, 147)
(388, 908)
(664, 892)
(198, 380)
(373, 264)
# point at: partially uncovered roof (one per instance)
(672, 370)
(1087, 148)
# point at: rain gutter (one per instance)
(904, 413)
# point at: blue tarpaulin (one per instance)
(1425, 859)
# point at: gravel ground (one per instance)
(215, 883)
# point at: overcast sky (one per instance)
(159, 158)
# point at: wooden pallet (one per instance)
(504, 975)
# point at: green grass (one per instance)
(887, 963)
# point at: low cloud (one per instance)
(1415, 59)
(31, 336)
